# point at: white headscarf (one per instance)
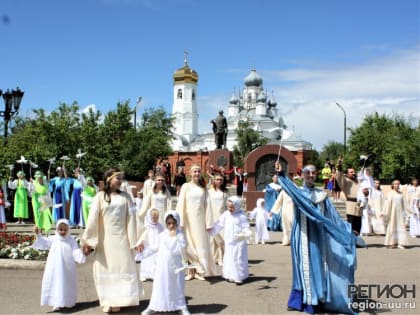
(236, 201)
(260, 202)
(175, 214)
(62, 221)
(148, 219)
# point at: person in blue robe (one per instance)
(76, 215)
(323, 250)
(271, 193)
(59, 186)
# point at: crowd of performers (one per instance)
(208, 228)
(49, 198)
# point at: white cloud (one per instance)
(86, 109)
(307, 97)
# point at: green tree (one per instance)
(109, 140)
(392, 143)
(331, 151)
(247, 140)
(150, 142)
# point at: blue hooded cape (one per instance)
(270, 197)
(323, 253)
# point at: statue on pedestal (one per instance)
(220, 130)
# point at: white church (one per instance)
(251, 104)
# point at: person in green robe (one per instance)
(87, 196)
(41, 202)
(20, 210)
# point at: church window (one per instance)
(193, 95)
(179, 95)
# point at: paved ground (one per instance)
(265, 292)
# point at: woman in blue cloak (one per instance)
(323, 250)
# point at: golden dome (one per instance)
(185, 74)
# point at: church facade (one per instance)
(250, 104)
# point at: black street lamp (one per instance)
(345, 131)
(12, 101)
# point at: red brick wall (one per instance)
(190, 158)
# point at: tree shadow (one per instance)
(272, 242)
(203, 308)
(255, 261)
(206, 308)
(80, 306)
(215, 279)
(259, 278)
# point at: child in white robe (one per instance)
(150, 238)
(236, 232)
(59, 282)
(363, 197)
(261, 217)
(169, 282)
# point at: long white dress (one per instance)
(168, 286)
(160, 201)
(235, 260)
(395, 209)
(148, 187)
(376, 202)
(194, 222)
(59, 282)
(111, 230)
(284, 205)
(367, 213)
(261, 218)
(150, 239)
(216, 205)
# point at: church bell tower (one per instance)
(184, 108)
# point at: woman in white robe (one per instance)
(216, 205)
(111, 232)
(395, 209)
(261, 218)
(59, 282)
(169, 284)
(158, 198)
(195, 221)
(376, 202)
(284, 206)
(236, 233)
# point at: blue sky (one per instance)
(363, 54)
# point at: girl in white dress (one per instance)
(59, 283)
(236, 232)
(111, 233)
(150, 238)
(396, 207)
(169, 283)
(192, 209)
(216, 205)
(159, 198)
(377, 201)
(284, 206)
(261, 217)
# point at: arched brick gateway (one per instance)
(259, 164)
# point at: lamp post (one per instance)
(12, 101)
(344, 112)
